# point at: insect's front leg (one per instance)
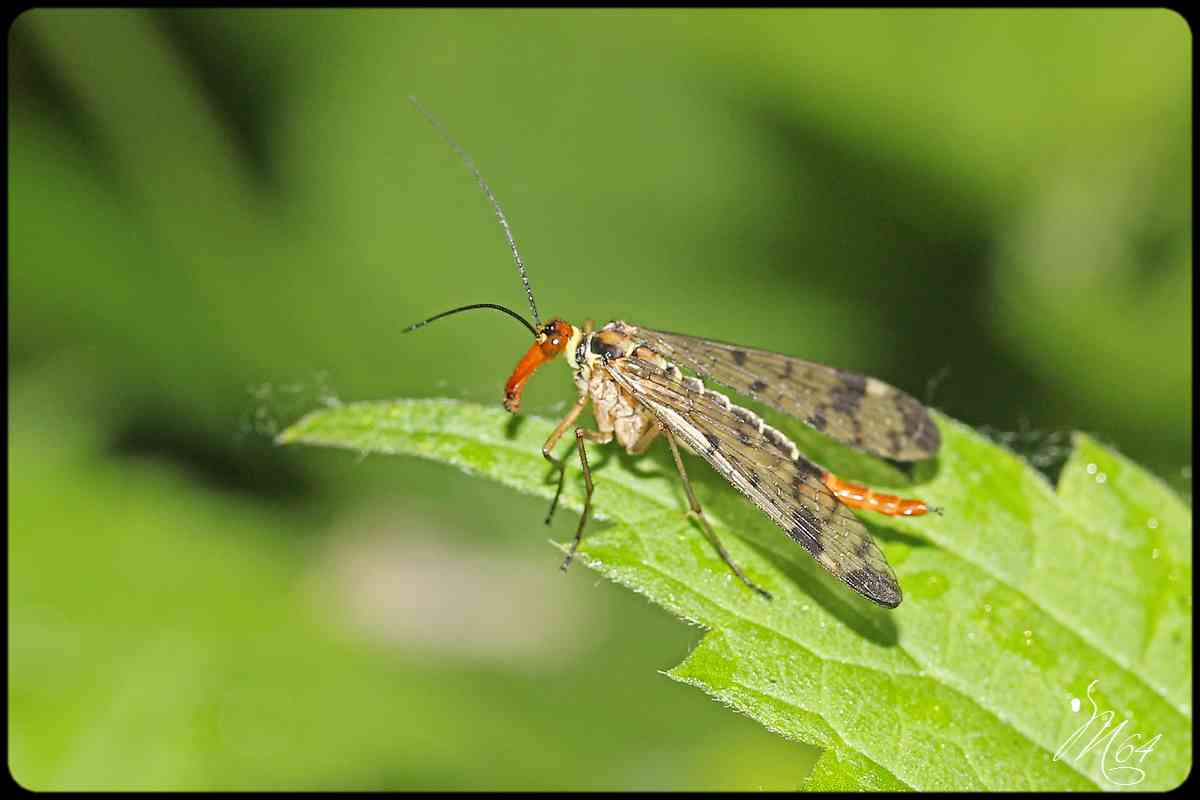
(548, 449)
(581, 435)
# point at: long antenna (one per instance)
(471, 307)
(487, 190)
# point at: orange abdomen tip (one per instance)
(858, 496)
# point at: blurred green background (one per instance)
(219, 220)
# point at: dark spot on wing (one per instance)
(848, 395)
(719, 399)
(877, 587)
(817, 420)
(739, 356)
(856, 423)
(805, 469)
(713, 442)
(929, 439)
(811, 542)
(804, 501)
(758, 386)
(778, 441)
(853, 380)
(864, 548)
(911, 413)
(918, 427)
(744, 438)
(746, 416)
(806, 523)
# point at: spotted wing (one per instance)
(862, 412)
(764, 466)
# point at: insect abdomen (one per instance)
(858, 496)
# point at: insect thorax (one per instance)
(615, 410)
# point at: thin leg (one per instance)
(598, 438)
(548, 447)
(548, 450)
(697, 512)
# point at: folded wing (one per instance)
(764, 466)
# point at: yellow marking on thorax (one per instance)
(572, 346)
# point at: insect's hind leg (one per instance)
(708, 531)
(599, 438)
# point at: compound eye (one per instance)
(553, 337)
(551, 329)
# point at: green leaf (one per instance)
(1016, 600)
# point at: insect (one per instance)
(632, 377)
